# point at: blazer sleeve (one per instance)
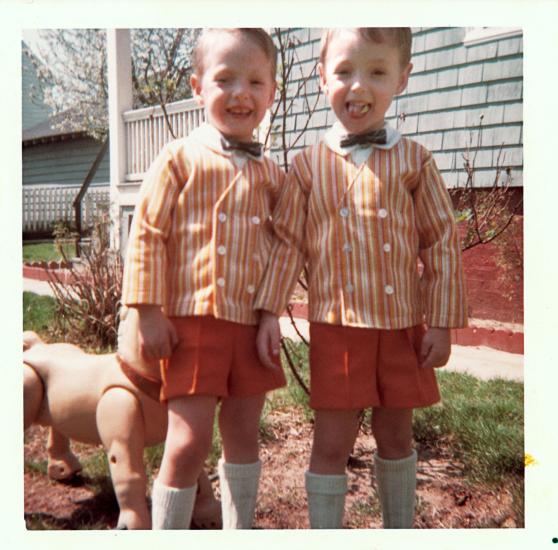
(146, 257)
(288, 251)
(443, 281)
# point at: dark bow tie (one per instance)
(253, 148)
(377, 136)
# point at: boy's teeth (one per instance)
(365, 109)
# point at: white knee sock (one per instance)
(171, 508)
(239, 489)
(396, 483)
(326, 500)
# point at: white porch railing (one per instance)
(147, 132)
(44, 205)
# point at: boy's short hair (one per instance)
(401, 37)
(257, 36)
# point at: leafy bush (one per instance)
(88, 300)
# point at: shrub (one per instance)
(88, 298)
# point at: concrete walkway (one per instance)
(37, 287)
(479, 361)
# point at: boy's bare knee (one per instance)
(393, 431)
(393, 444)
(188, 453)
(329, 459)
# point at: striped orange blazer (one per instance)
(362, 228)
(201, 233)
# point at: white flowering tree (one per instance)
(72, 73)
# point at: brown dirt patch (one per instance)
(445, 500)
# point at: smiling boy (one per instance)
(198, 247)
(361, 207)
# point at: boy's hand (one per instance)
(157, 335)
(268, 340)
(436, 348)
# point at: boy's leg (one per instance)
(240, 467)
(187, 444)
(326, 481)
(395, 465)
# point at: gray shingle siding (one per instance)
(436, 39)
(469, 74)
(481, 52)
(505, 91)
(63, 163)
(513, 112)
(452, 85)
(511, 46)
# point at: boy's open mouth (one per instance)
(357, 109)
(239, 111)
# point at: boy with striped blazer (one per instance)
(198, 247)
(361, 207)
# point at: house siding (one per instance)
(451, 87)
(63, 162)
(470, 82)
(301, 97)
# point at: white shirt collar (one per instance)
(334, 135)
(209, 136)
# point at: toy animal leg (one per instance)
(121, 427)
(62, 463)
(33, 392)
(207, 509)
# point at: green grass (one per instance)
(46, 252)
(38, 312)
(33, 466)
(292, 395)
(481, 420)
(370, 506)
(96, 466)
(152, 457)
(216, 444)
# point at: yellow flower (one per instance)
(529, 460)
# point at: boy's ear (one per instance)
(323, 82)
(272, 95)
(404, 78)
(195, 84)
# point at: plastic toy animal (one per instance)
(88, 398)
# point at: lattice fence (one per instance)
(45, 205)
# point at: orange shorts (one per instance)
(356, 368)
(216, 357)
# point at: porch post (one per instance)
(119, 68)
